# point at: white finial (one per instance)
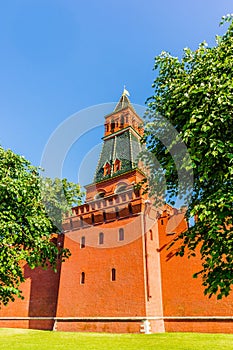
(125, 92)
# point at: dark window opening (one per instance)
(104, 216)
(82, 242)
(117, 213)
(151, 235)
(92, 219)
(121, 234)
(122, 121)
(162, 222)
(101, 238)
(82, 279)
(112, 125)
(113, 277)
(130, 209)
(81, 221)
(101, 194)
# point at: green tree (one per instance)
(195, 95)
(25, 225)
(58, 196)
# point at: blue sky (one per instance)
(61, 56)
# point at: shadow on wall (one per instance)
(43, 295)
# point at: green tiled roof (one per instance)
(123, 146)
(136, 148)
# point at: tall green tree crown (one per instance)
(26, 225)
(195, 95)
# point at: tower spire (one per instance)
(124, 100)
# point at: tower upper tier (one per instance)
(123, 116)
(122, 141)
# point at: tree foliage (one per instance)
(195, 94)
(58, 196)
(25, 225)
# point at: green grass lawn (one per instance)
(19, 339)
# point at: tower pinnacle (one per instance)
(124, 101)
(125, 92)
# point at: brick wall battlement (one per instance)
(114, 207)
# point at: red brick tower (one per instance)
(112, 281)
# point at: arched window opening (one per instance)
(107, 169)
(122, 121)
(117, 165)
(112, 125)
(121, 188)
(100, 195)
(82, 278)
(161, 221)
(113, 275)
(121, 234)
(101, 238)
(82, 242)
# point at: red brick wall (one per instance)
(108, 327)
(183, 295)
(100, 296)
(140, 262)
(201, 326)
(40, 300)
